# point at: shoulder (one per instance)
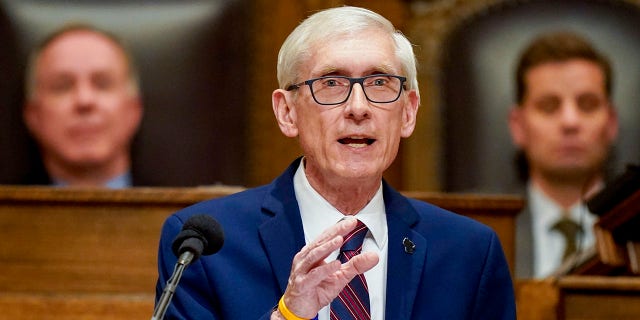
(439, 217)
(447, 235)
(231, 205)
(429, 219)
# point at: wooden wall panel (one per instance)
(91, 254)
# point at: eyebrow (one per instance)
(384, 68)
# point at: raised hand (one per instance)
(314, 283)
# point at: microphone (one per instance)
(200, 235)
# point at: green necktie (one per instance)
(569, 230)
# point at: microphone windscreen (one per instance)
(198, 229)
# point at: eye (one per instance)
(60, 85)
(589, 102)
(103, 81)
(331, 83)
(548, 104)
(380, 81)
(377, 82)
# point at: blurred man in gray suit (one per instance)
(564, 124)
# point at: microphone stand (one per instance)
(161, 308)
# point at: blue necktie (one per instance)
(353, 301)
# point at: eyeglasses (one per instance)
(378, 88)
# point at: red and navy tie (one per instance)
(353, 301)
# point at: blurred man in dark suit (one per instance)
(83, 108)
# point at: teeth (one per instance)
(356, 142)
(358, 145)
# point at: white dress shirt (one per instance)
(318, 214)
(548, 245)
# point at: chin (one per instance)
(571, 172)
(356, 171)
(88, 159)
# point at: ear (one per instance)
(30, 117)
(410, 114)
(284, 112)
(138, 111)
(516, 125)
(613, 126)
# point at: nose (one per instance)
(570, 114)
(85, 96)
(357, 107)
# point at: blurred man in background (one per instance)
(83, 108)
(564, 125)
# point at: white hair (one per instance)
(335, 22)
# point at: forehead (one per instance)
(80, 49)
(353, 54)
(566, 76)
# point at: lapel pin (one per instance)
(409, 246)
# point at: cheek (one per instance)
(315, 123)
(603, 135)
(310, 130)
(51, 120)
(537, 129)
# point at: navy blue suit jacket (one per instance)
(457, 271)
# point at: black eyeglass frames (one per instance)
(332, 90)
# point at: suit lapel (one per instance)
(404, 267)
(282, 234)
(524, 244)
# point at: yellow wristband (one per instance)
(286, 313)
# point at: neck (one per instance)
(568, 193)
(349, 196)
(86, 175)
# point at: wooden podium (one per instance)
(578, 298)
(83, 254)
(603, 287)
(91, 254)
(615, 293)
(599, 297)
(618, 236)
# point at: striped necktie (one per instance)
(353, 301)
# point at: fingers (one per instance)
(328, 241)
(341, 228)
(303, 295)
(314, 283)
(316, 251)
(332, 281)
(359, 265)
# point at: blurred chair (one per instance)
(192, 56)
(479, 84)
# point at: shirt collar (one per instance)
(318, 214)
(119, 182)
(547, 211)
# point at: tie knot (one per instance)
(353, 240)
(569, 230)
(567, 227)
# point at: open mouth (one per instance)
(357, 142)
